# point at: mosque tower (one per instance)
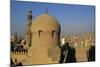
(45, 38)
(27, 32)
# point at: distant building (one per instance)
(63, 41)
(14, 38)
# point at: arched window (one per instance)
(53, 32)
(40, 32)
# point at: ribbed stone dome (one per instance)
(45, 22)
(45, 38)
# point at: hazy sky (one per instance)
(74, 19)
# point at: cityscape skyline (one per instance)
(74, 19)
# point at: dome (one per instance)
(45, 22)
(45, 38)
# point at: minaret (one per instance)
(29, 18)
(28, 33)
